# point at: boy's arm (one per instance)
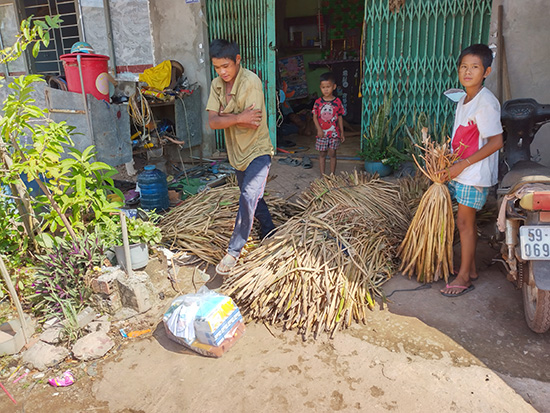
(494, 144)
(317, 126)
(341, 126)
(249, 118)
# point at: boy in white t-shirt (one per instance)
(477, 138)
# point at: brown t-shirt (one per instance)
(243, 144)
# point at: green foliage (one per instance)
(74, 182)
(71, 331)
(61, 278)
(33, 32)
(13, 247)
(13, 243)
(379, 143)
(139, 231)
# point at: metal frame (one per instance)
(412, 53)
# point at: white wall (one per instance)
(526, 32)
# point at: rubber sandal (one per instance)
(225, 266)
(285, 161)
(306, 162)
(464, 289)
(289, 161)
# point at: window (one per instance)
(47, 62)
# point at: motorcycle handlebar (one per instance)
(527, 111)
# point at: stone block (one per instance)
(43, 355)
(136, 292)
(52, 335)
(92, 346)
(103, 326)
(108, 303)
(106, 282)
(85, 317)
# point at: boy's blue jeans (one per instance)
(251, 204)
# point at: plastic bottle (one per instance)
(153, 189)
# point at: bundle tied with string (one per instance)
(427, 249)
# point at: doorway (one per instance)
(315, 37)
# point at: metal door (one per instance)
(413, 50)
(250, 23)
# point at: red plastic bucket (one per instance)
(94, 74)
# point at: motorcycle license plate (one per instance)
(535, 242)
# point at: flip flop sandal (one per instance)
(459, 287)
(225, 266)
(285, 161)
(289, 161)
(306, 162)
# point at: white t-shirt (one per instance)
(476, 121)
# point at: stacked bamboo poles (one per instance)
(427, 249)
(318, 273)
(202, 225)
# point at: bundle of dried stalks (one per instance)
(412, 188)
(321, 270)
(427, 249)
(202, 225)
(318, 273)
(379, 201)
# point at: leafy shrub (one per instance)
(62, 278)
(140, 230)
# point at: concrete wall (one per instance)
(131, 30)
(526, 32)
(180, 33)
(9, 28)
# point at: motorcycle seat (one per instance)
(525, 172)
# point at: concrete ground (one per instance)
(420, 352)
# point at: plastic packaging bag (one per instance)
(205, 322)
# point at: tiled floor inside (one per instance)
(306, 145)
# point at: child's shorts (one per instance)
(470, 196)
(323, 144)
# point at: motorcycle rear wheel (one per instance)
(536, 304)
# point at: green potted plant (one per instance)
(141, 234)
(378, 144)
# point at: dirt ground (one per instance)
(422, 352)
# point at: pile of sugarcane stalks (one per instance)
(378, 200)
(427, 249)
(321, 270)
(202, 225)
(318, 273)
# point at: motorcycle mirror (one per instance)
(454, 94)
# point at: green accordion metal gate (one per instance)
(250, 23)
(412, 53)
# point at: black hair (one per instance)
(224, 49)
(328, 76)
(480, 50)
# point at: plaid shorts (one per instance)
(323, 144)
(470, 196)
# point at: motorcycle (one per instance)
(524, 216)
